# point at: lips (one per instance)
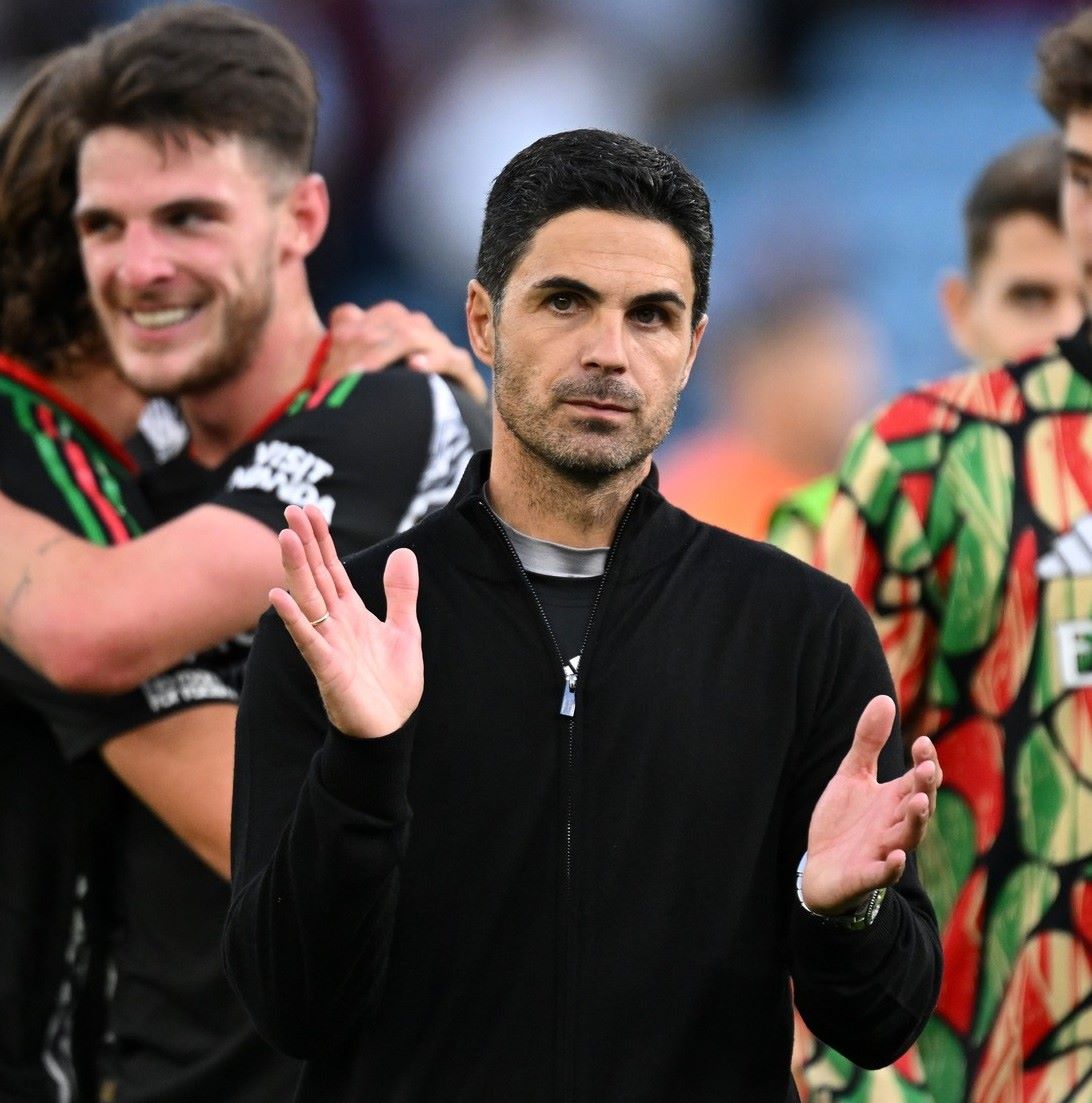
(605, 407)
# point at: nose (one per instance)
(143, 260)
(606, 348)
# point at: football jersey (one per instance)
(375, 452)
(59, 801)
(963, 522)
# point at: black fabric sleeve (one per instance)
(380, 452)
(867, 993)
(82, 722)
(319, 826)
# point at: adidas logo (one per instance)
(1070, 555)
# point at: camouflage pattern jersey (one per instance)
(963, 520)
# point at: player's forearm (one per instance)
(67, 613)
(46, 580)
(181, 768)
(104, 620)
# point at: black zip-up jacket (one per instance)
(595, 908)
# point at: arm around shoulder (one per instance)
(104, 620)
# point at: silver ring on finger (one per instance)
(325, 616)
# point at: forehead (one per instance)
(118, 165)
(608, 251)
(1026, 246)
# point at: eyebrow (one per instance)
(1075, 156)
(1029, 285)
(568, 283)
(173, 206)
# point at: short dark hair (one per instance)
(1065, 67)
(46, 317)
(1024, 179)
(597, 170)
(206, 69)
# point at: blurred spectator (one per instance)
(792, 375)
(527, 71)
(1020, 287)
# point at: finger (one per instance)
(314, 649)
(354, 318)
(873, 731)
(894, 866)
(927, 781)
(927, 768)
(366, 340)
(907, 831)
(300, 581)
(301, 522)
(331, 560)
(345, 315)
(400, 583)
(454, 364)
(883, 872)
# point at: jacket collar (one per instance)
(654, 530)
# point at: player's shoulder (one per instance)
(991, 393)
(360, 392)
(32, 408)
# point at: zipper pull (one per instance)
(568, 696)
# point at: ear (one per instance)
(479, 322)
(695, 342)
(956, 296)
(307, 213)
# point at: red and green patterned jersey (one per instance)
(963, 521)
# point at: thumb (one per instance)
(873, 731)
(400, 582)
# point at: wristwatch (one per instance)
(862, 916)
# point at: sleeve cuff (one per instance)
(840, 948)
(371, 775)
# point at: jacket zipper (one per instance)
(568, 709)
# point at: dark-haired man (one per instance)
(611, 727)
(196, 213)
(962, 521)
(1020, 287)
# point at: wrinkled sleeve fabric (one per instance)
(320, 823)
(868, 993)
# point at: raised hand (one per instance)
(372, 339)
(370, 672)
(861, 830)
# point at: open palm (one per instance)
(862, 830)
(370, 672)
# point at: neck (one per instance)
(100, 390)
(540, 501)
(219, 420)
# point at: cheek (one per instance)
(95, 265)
(1075, 205)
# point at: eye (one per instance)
(1079, 175)
(1031, 296)
(564, 302)
(185, 218)
(96, 224)
(649, 314)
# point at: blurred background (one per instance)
(837, 141)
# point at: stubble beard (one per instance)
(244, 322)
(565, 449)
